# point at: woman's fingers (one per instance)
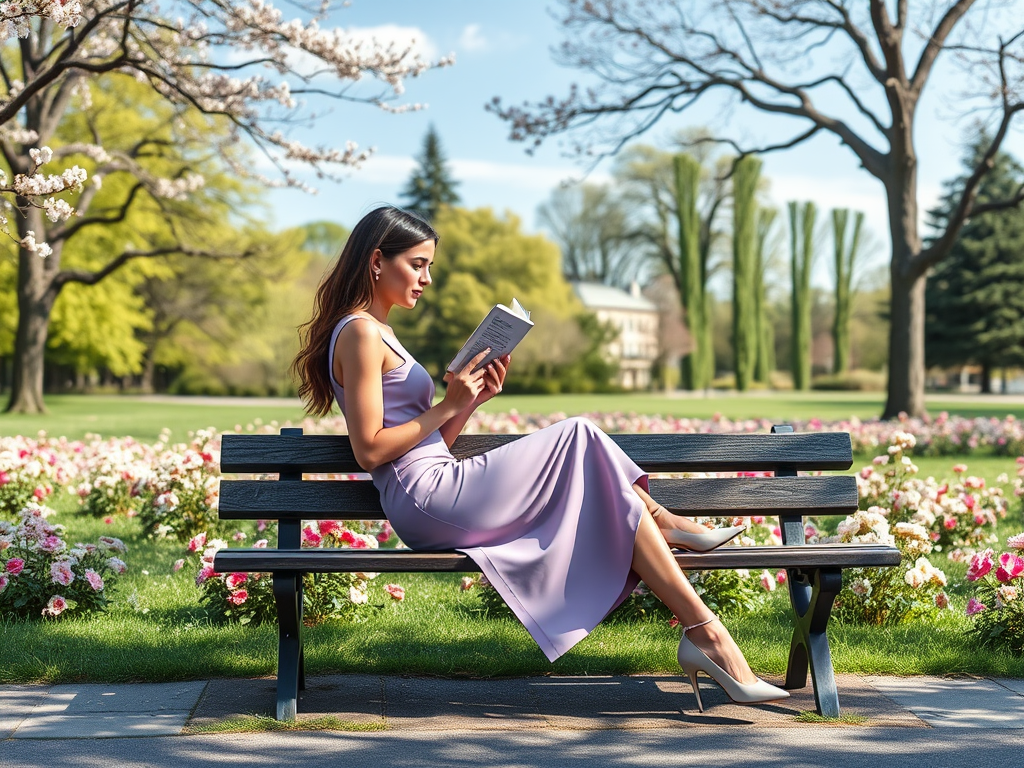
(476, 361)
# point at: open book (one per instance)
(501, 330)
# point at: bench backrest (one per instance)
(290, 499)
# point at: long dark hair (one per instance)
(348, 287)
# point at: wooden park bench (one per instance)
(814, 571)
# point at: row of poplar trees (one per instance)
(753, 339)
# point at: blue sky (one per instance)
(504, 49)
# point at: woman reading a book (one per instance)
(559, 521)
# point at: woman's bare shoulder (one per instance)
(361, 335)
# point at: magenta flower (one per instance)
(310, 538)
(56, 606)
(197, 542)
(1010, 567)
(397, 592)
(238, 597)
(205, 573)
(975, 606)
(3, 581)
(94, 579)
(981, 564)
(15, 566)
(61, 573)
(234, 580)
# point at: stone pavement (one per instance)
(413, 704)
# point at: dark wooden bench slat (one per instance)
(404, 561)
(359, 500)
(653, 452)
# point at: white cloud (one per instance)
(472, 38)
(399, 38)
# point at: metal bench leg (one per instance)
(812, 595)
(288, 595)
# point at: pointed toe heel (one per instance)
(693, 660)
(701, 542)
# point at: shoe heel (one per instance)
(696, 688)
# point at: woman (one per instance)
(560, 521)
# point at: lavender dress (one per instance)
(550, 519)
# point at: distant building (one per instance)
(636, 319)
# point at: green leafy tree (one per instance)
(745, 270)
(846, 252)
(801, 248)
(431, 186)
(765, 333)
(975, 296)
(483, 260)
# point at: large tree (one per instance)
(239, 66)
(431, 185)
(975, 296)
(855, 69)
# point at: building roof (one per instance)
(599, 296)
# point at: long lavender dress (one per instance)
(550, 518)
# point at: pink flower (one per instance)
(781, 577)
(1010, 567)
(359, 543)
(55, 606)
(94, 579)
(980, 565)
(767, 582)
(3, 581)
(974, 606)
(261, 544)
(949, 523)
(969, 501)
(238, 597)
(397, 592)
(310, 538)
(15, 566)
(51, 544)
(673, 622)
(329, 527)
(959, 468)
(178, 564)
(235, 580)
(4, 478)
(941, 601)
(108, 520)
(384, 536)
(61, 573)
(206, 572)
(347, 537)
(198, 542)
(238, 536)
(1016, 542)
(116, 565)
(467, 583)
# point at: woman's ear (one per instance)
(375, 261)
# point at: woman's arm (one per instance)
(362, 357)
(494, 379)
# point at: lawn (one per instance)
(75, 415)
(158, 630)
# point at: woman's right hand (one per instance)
(465, 385)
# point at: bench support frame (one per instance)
(812, 594)
(291, 673)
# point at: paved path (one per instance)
(542, 721)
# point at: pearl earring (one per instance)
(376, 275)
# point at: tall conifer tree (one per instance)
(744, 270)
(801, 246)
(765, 333)
(431, 185)
(845, 257)
(691, 270)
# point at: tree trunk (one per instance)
(986, 379)
(35, 303)
(906, 347)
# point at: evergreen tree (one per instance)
(431, 185)
(687, 179)
(801, 242)
(975, 297)
(765, 333)
(745, 271)
(846, 256)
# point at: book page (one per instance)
(501, 330)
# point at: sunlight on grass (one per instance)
(262, 723)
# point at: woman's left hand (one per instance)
(494, 380)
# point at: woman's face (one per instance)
(403, 278)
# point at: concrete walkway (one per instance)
(408, 705)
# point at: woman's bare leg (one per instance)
(666, 519)
(654, 563)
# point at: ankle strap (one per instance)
(700, 624)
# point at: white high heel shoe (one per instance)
(701, 542)
(693, 660)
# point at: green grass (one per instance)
(157, 630)
(263, 723)
(75, 415)
(814, 717)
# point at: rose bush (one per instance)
(998, 602)
(183, 489)
(114, 474)
(40, 575)
(249, 598)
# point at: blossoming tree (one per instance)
(241, 64)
